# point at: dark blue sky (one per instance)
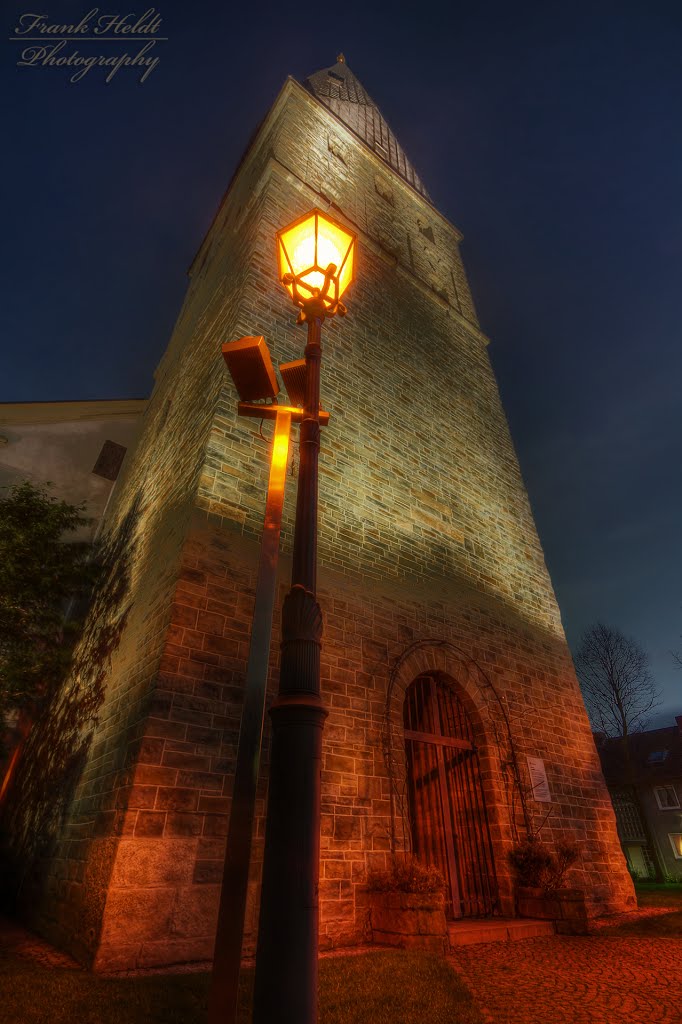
(548, 133)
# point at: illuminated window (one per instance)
(676, 843)
(667, 798)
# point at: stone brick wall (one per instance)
(419, 466)
(429, 561)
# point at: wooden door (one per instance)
(447, 807)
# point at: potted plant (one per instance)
(540, 874)
(407, 906)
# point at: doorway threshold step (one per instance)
(497, 929)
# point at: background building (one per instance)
(655, 795)
(76, 447)
(456, 725)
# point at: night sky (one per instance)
(549, 134)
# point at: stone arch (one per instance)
(445, 659)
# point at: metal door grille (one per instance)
(447, 807)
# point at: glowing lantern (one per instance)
(316, 257)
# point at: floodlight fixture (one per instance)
(251, 369)
(294, 376)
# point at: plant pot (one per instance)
(573, 920)
(532, 901)
(409, 920)
(564, 906)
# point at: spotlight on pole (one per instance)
(251, 369)
(293, 376)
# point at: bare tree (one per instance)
(617, 685)
(619, 694)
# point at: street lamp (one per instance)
(253, 374)
(316, 264)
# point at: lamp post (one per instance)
(316, 262)
(250, 366)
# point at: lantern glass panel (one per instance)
(346, 275)
(284, 266)
(298, 244)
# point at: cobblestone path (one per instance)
(593, 979)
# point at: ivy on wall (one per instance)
(56, 749)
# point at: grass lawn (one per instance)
(377, 988)
(655, 894)
(662, 926)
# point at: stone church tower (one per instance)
(444, 663)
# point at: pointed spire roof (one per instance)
(340, 91)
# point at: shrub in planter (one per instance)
(407, 874)
(407, 906)
(532, 861)
(539, 867)
(540, 873)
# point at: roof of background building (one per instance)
(656, 755)
(340, 91)
(78, 409)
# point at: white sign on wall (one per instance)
(538, 780)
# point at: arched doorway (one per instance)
(447, 806)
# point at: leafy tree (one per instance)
(41, 573)
(617, 685)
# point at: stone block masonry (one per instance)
(429, 563)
